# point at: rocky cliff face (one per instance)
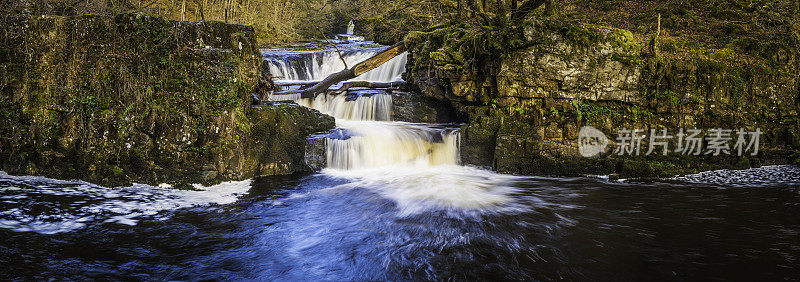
(525, 107)
(413, 107)
(134, 98)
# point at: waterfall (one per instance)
(367, 137)
(293, 66)
(374, 107)
(371, 140)
(378, 144)
(350, 27)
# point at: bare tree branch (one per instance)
(526, 8)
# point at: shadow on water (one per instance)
(323, 227)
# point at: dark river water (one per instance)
(328, 226)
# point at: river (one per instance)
(394, 203)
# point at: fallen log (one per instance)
(374, 85)
(303, 83)
(359, 69)
(348, 86)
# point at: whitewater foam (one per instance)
(420, 188)
(374, 107)
(294, 66)
(50, 206)
(375, 144)
(765, 175)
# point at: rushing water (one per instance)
(394, 204)
(300, 65)
(372, 141)
(375, 225)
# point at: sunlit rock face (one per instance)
(570, 71)
(524, 108)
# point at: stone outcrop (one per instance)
(135, 98)
(523, 108)
(316, 152)
(279, 135)
(413, 107)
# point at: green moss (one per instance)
(581, 35)
(681, 84)
(126, 96)
(623, 39)
(414, 38)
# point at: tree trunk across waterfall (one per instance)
(359, 69)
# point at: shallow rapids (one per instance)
(50, 206)
(423, 188)
(366, 224)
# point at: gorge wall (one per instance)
(135, 98)
(525, 107)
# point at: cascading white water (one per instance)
(371, 143)
(374, 107)
(315, 66)
(350, 27)
(417, 165)
(374, 141)
(376, 144)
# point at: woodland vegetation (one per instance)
(752, 26)
(275, 21)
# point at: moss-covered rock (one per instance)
(134, 98)
(526, 100)
(279, 133)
